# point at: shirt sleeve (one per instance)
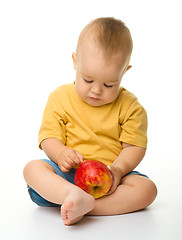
(53, 125)
(134, 125)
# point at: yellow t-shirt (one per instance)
(95, 132)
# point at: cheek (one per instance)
(112, 94)
(81, 89)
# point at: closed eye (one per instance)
(108, 86)
(91, 81)
(88, 81)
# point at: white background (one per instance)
(37, 39)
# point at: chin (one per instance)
(95, 104)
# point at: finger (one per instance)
(74, 157)
(80, 156)
(66, 165)
(109, 167)
(69, 157)
(113, 186)
(63, 169)
(70, 160)
(111, 190)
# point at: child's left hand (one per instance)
(116, 177)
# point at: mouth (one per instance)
(94, 99)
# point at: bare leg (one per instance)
(134, 193)
(75, 202)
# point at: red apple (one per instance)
(93, 177)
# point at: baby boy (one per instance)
(93, 118)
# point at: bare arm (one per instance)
(64, 157)
(128, 159)
(53, 148)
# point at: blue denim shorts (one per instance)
(69, 176)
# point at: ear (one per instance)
(128, 67)
(74, 60)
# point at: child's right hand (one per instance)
(68, 159)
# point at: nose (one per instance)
(97, 90)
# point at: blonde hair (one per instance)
(110, 35)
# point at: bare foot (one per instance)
(76, 205)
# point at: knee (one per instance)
(149, 193)
(30, 167)
(33, 168)
(27, 168)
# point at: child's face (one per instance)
(97, 81)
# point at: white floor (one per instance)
(22, 219)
